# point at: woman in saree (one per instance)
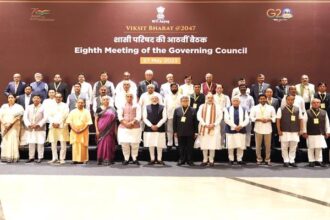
(10, 117)
(105, 124)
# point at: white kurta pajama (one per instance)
(315, 143)
(289, 140)
(35, 115)
(223, 102)
(58, 115)
(171, 103)
(154, 139)
(209, 140)
(236, 140)
(10, 140)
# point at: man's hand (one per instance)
(305, 135)
(154, 127)
(280, 133)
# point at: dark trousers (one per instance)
(186, 145)
(326, 152)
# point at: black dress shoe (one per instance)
(125, 162)
(293, 164)
(152, 162)
(311, 164)
(180, 163)
(204, 164)
(39, 161)
(320, 164)
(286, 164)
(30, 161)
(191, 164)
(211, 164)
(241, 163)
(231, 163)
(136, 162)
(161, 162)
(98, 162)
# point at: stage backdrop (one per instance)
(229, 39)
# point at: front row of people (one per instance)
(199, 129)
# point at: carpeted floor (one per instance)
(171, 169)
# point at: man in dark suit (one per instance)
(325, 105)
(282, 89)
(59, 86)
(26, 99)
(198, 98)
(185, 127)
(276, 104)
(259, 87)
(16, 87)
(142, 87)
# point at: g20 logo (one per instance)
(278, 14)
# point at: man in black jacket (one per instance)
(59, 86)
(324, 96)
(185, 127)
(198, 98)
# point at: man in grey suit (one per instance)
(276, 104)
(259, 87)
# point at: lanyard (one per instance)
(184, 112)
(56, 87)
(316, 114)
(291, 111)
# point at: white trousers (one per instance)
(32, 151)
(315, 154)
(130, 149)
(62, 151)
(208, 155)
(289, 149)
(159, 153)
(239, 154)
(170, 134)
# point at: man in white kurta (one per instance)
(223, 102)
(236, 119)
(316, 130)
(120, 99)
(298, 100)
(172, 101)
(145, 98)
(289, 125)
(58, 129)
(263, 115)
(209, 116)
(188, 87)
(133, 87)
(35, 121)
(154, 117)
(165, 89)
(49, 102)
(129, 130)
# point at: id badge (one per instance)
(322, 105)
(316, 121)
(183, 119)
(194, 105)
(293, 118)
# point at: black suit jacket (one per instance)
(63, 89)
(21, 100)
(326, 101)
(187, 128)
(280, 91)
(255, 90)
(10, 89)
(199, 101)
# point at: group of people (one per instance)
(187, 116)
